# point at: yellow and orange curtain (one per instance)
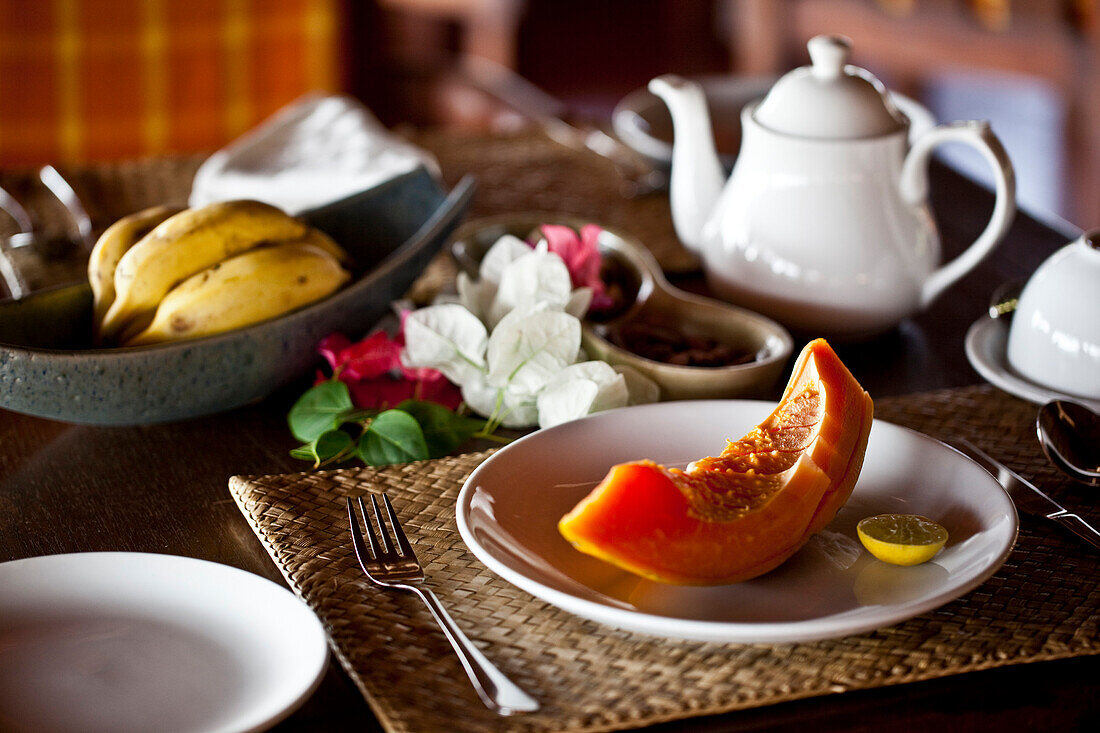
(106, 79)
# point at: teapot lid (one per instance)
(829, 99)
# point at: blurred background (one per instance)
(95, 80)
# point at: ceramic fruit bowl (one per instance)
(48, 367)
(655, 324)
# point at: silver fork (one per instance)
(393, 564)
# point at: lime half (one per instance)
(901, 539)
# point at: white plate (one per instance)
(509, 507)
(987, 349)
(117, 641)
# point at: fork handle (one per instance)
(498, 692)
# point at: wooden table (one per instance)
(163, 489)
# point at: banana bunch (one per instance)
(165, 273)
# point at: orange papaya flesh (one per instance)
(740, 514)
(846, 424)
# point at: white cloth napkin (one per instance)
(317, 150)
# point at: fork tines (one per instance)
(380, 545)
(390, 568)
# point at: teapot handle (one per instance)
(914, 189)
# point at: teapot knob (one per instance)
(829, 55)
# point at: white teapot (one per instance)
(824, 223)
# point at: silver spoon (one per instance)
(1070, 436)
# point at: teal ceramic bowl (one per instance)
(49, 369)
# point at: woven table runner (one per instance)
(527, 171)
(1041, 605)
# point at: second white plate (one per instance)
(118, 641)
(509, 507)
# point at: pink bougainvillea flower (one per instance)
(383, 392)
(581, 254)
(372, 357)
(330, 348)
(376, 378)
(432, 386)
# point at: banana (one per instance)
(112, 244)
(183, 245)
(250, 287)
(323, 241)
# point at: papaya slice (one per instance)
(737, 515)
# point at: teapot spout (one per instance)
(697, 176)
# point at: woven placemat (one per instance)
(1041, 605)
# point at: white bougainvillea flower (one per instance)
(520, 410)
(504, 252)
(446, 337)
(538, 277)
(580, 389)
(642, 389)
(478, 295)
(480, 397)
(578, 303)
(513, 410)
(529, 347)
(561, 403)
(475, 296)
(512, 341)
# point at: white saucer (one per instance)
(509, 507)
(987, 348)
(116, 641)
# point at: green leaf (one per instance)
(360, 415)
(394, 437)
(444, 430)
(303, 453)
(322, 408)
(331, 445)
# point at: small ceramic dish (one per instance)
(48, 368)
(643, 122)
(648, 298)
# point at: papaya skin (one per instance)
(738, 515)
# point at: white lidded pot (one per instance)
(824, 223)
(1054, 339)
